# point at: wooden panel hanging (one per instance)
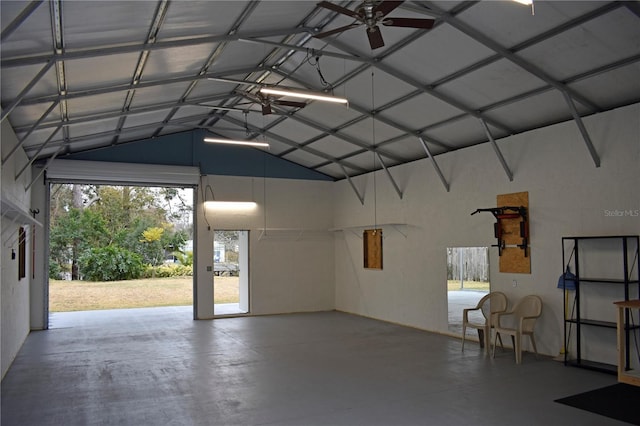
(372, 242)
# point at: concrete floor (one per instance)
(159, 367)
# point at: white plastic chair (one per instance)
(490, 305)
(525, 313)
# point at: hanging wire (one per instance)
(203, 191)
(373, 137)
(315, 62)
(264, 183)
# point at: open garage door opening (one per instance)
(231, 272)
(119, 247)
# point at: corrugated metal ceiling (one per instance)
(78, 75)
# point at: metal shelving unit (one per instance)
(629, 279)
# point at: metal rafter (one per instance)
(217, 51)
(6, 111)
(353, 186)
(583, 130)
(507, 54)
(34, 127)
(289, 142)
(123, 87)
(365, 113)
(116, 114)
(135, 48)
(434, 163)
(18, 20)
(70, 141)
(496, 149)
(391, 179)
(156, 24)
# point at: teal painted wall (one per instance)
(189, 149)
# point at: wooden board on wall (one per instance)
(513, 259)
(372, 242)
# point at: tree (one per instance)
(136, 219)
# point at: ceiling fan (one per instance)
(373, 13)
(265, 103)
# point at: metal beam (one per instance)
(33, 158)
(46, 166)
(353, 186)
(633, 6)
(583, 130)
(21, 95)
(427, 89)
(35, 126)
(123, 87)
(26, 12)
(292, 143)
(213, 56)
(311, 52)
(335, 133)
(435, 165)
(113, 132)
(116, 114)
(507, 54)
(134, 48)
(371, 114)
(156, 24)
(393, 182)
(496, 149)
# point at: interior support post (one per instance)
(496, 149)
(583, 130)
(353, 186)
(433, 161)
(393, 182)
(26, 90)
(34, 127)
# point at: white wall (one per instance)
(567, 196)
(14, 297)
(292, 264)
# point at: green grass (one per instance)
(67, 296)
(468, 285)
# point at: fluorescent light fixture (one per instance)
(235, 142)
(230, 205)
(304, 95)
(525, 2)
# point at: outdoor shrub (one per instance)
(110, 263)
(167, 271)
(55, 271)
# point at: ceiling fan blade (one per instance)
(339, 9)
(375, 37)
(386, 7)
(409, 22)
(290, 103)
(221, 108)
(337, 30)
(266, 109)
